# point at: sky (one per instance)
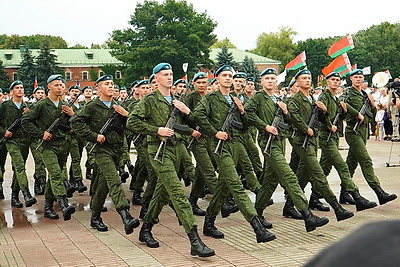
(92, 21)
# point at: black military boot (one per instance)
(37, 188)
(229, 207)
(146, 236)
(66, 209)
(270, 202)
(198, 248)
(81, 187)
(97, 222)
(262, 220)
(89, 173)
(383, 197)
(42, 182)
(129, 166)
(311, 221)
(48, 209)
(123, 174)
(195, 208)
(262, 234)
(129, 222)
(289, 211)
(361, 202)
(136, 198)
(209, 228)
(69, 188)
(29, 200)
(1, 190)
(341, 213)
(346, 198)
(143, 210)
(15, 199)
(316, 204)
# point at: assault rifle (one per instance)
(339, 113)
(192, 139)
(277, 123)
(171, 124)
(363, 111)
(312, 123)
(14, 126)
(56, 123)
(108, 124)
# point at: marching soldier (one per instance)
(17, 142)
(54, 151)
(261, 111)
(301, 108)
(149, 117)
(107, 153)
(356, 140)
(210, 113)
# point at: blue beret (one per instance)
(151, 78)
(142, 82)
(87, 87)
(15, 83)
(212, 81)
(180, 81)
(301, 72)
(223, 68)
(292, 82)
(161, 66)
(55, 77)
(104, 78)
(200, 75)
(134, 83)
(38, 88)
(250, 79)
(356, 72)
(122, 88)
(268, 71)
(240, 75)
(74, 87)
(116, 86)
(333, 74)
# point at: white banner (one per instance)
(366, 70)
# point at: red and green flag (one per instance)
(298, 62)
(341, 46)
(339, 64)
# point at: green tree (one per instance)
(225, 42)
(276, 45)
(171, 31)
(251, 70)
(46, 64)
(3, 38)
(224, 57)
(4, 78)
(32, 41)
(27, 71)
(93, 74)
(78, 46)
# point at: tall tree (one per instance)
(224, 57)
(168, 32)
(32, 41)
(46, 64)
(4, 78)
(251, 70)
(221, 43)
(27, 71)
(276, 45)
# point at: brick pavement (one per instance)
(28, 239)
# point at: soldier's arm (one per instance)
(137, 119)
(3, 127)
(326, 118)
(296, 119)
(80, 127)
(201, 113)
(28, 122)
(350, 109)
(251, 115)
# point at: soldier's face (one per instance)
(333, 82)
(56, 88)
(214, 86)
(123, 94)
(153, 85)
(88, 93)
(18, 90)
(180, 87)
(225, 79)
(106, 88)
(304, 81)
(115, 92)
(268, 81)
(164, 78)
(295, 88)
(249, 87)
(238, 83)
(39, 94)
(357, 80)
(201, 85)
(73, 92)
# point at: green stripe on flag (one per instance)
(299, 65)
(341, 51)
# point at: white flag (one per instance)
(185, 67)
(388, 73)
(281, 77)
(366, 70)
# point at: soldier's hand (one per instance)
(321, 106)
(239, 105)
(310, 132)
(333, 128)
(101, 138)
(120, 110)
(47, 136)
(222, 135)
(283, 107)
(181, 106)
(67, 110)
(360, 117)
(25, 110)
(196, 134)
(162, 131)
(7, 134)
(271, 129)
(344, 106)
